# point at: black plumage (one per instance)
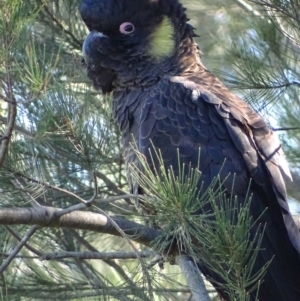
(162, 94)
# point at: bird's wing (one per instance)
(186, 114)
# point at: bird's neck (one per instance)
(187, 57)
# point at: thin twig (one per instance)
(19, 129)
(6, 99)
(71, 194)
(285, 129)
(277, 8)
(112, 263)
(26, 193)
(110, 184)
(108, 258)
(93, 198)
(4, 255)
(88, 292)
(26, 245)
(77, 43)
(97, 255)
(118, 197)
(11, 116)
(247, 6)
(16, 250)
(144, 269)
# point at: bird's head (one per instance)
(131, 43)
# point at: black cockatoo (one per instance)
(144, 52)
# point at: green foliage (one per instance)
(205, 224)
(266, 57)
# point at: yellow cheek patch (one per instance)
(162, 41)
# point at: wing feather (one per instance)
(237, 144)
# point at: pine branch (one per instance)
(193, 277)
(112, 263)
(51, 217)
(48, 217)
(60, 28)
(62, 294)
(96, 255)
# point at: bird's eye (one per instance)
(126, 28)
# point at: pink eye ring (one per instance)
(126, 28)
